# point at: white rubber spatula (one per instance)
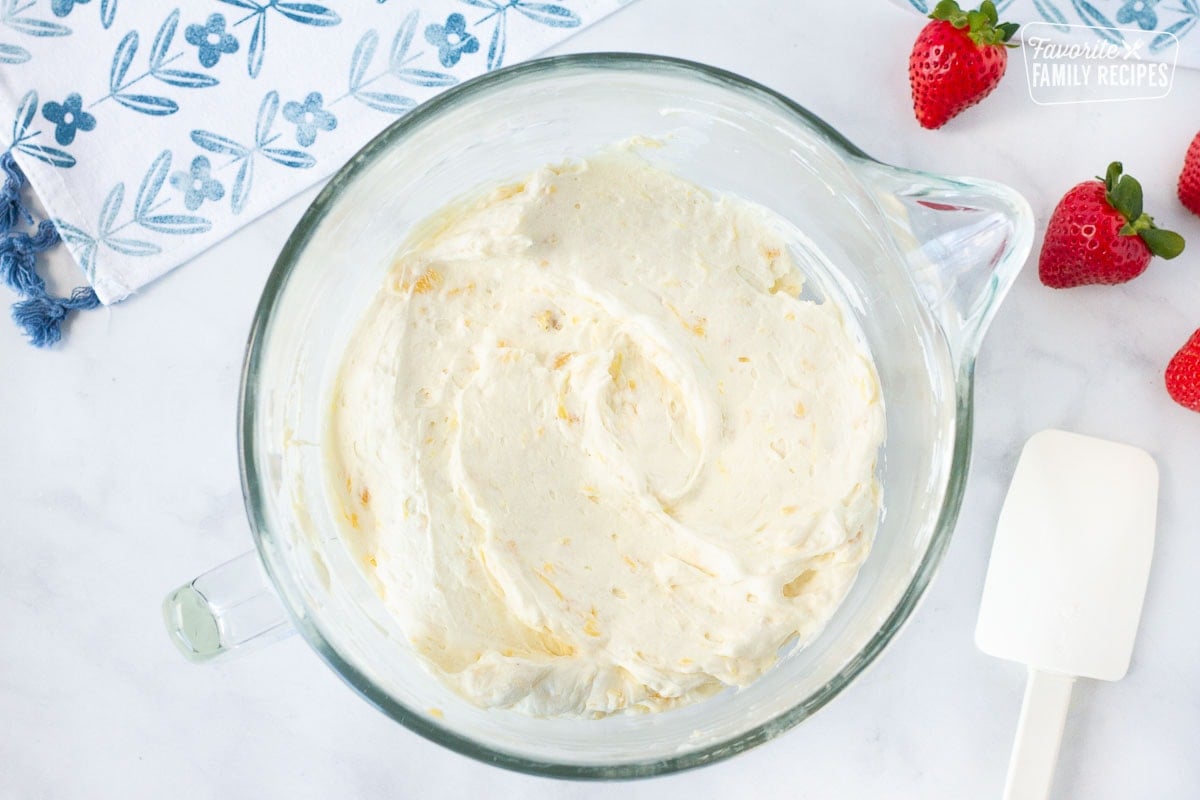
(1066, 581)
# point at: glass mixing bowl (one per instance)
(919, 262)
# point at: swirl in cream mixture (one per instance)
(594, 452)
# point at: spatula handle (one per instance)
(1039, 733)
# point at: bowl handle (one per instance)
(964, 241)
(230, 607)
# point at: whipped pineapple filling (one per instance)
(593, 451)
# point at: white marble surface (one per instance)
(119, 481)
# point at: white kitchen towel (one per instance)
(1158, 24)
(151, 130)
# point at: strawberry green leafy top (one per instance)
(1124, 193)
(983, 27)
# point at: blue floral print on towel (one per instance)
(68, 118)
(62, 8)
(1140, 12)
(197, 184)
(451, 39)
(308, 118)
(211, 40)
(153, 140)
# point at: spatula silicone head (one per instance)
(1066, 581)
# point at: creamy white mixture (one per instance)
(593, 451)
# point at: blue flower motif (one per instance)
(197, 185)
(68, 117)
(1139, 11)
(308, 118)
(212, 39)
(451, 39)
(63, 7)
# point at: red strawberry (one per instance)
(1098, 234)
(957, 60)
(1189, 179)
(1183, 374)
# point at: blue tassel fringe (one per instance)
(40, 315)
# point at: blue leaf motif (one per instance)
(25, 112)
(215, 143)
(1094, 17)
(424, 77)
(162, 40)
(72, 234)
(37, 27)
(307, 13)
(82, 242)
(919, 5)
(258, 46)
(266, 117)
(484, 4)
(304, 13)
(1051, 14)
(386, 102)
(241, 186)
(87, 260)
(133, 247)
(148, 104)
(185, 79)
(1179, 28)
(403, 40)
(499, 40)
(110, 209)
(108, 12)
(122, 58)
(176, 224)
(296, 159)
(548, 14)
(364, 51)
(13, 54)
(50, 155)
(152, 183)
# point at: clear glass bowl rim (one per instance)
(255, 491)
